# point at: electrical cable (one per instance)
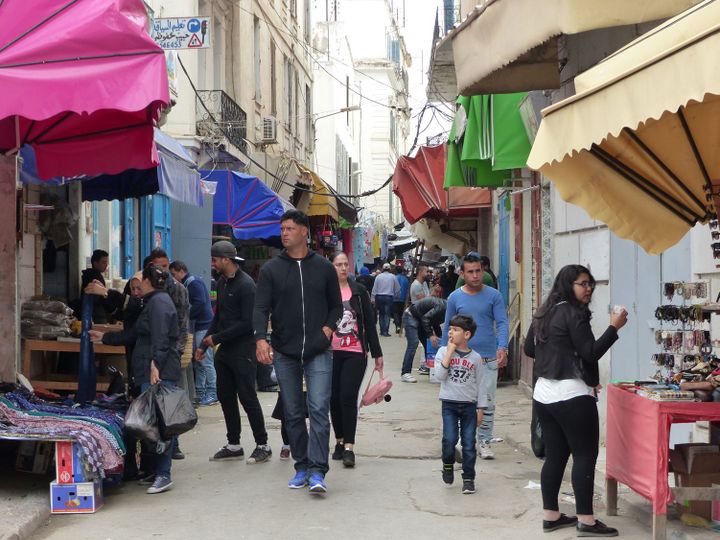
(272, 175)
(302, 45)
(319, 51)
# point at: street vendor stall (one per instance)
(637, 441)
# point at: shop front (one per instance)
(635, 149)
(74, 110)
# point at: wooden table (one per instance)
(637, 448)
(57, 381)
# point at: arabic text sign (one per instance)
(182, 32)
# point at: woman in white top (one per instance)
(566, 363)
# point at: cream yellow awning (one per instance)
(637, 146)
(322, 202)
(507, 46)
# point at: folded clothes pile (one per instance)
(97, 431)
(45, 319)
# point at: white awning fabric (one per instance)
(636, 147)
(507, 46)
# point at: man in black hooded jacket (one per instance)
(300, 293)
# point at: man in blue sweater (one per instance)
(200, 317)
(485, 305)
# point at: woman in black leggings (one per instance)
(356, 334)
(566, 366)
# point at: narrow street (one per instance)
(395, 490)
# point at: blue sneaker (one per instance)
(298, 481)
(208, 400)
(317, 483)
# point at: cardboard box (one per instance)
(77, 498)
(69, 467)
(34, 456)
(704, 471)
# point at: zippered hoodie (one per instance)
(300, 296)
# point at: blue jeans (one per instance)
(411, 326)
(310, 451)
(384, 304)
(205, 375)
(164, 459)
(464, 416)
(489, 371)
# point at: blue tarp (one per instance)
(176, 176)
(245, 203)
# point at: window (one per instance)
(309, 134)
(393, 49)
(306, 20)
(296, 106)
(256, 44)
(289, 80)
(393, 130)
(273, 81)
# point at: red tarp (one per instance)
(418, 182)
(638, 439)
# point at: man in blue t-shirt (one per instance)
(400, 298)
(485, 305)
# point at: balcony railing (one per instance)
(230, 121)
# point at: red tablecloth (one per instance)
(637, 440)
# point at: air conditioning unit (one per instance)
(269, 130)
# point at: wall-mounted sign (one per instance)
(175, 33)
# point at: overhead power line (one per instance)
(273, 175)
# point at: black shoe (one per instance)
(177, 454)
(348, 458)
(560, 523)
(225, 454)
(599, 529)
(337, 454)
(448, 475)
(261, 454)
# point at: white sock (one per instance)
(234, 447)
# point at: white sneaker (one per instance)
(485, 451)
(406, 377)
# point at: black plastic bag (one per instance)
(536, 438)
(175, 412)
(141, 418)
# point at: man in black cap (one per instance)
(235, 362)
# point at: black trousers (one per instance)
(569, 428)
(348, 372)
(398, 308)
(236, 370)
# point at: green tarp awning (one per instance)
(486, 141)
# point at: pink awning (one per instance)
(82, 82)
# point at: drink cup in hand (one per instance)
(618, 317)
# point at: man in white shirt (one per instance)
(383, 293)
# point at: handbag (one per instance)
(377, 392)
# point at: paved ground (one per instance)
(395, 490)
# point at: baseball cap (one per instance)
(386, 266)
(223, 248)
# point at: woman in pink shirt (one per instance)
(355, 336)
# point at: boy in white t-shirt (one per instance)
(463, 398)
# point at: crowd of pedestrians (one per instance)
(315, 324)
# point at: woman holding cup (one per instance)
(566, 364)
